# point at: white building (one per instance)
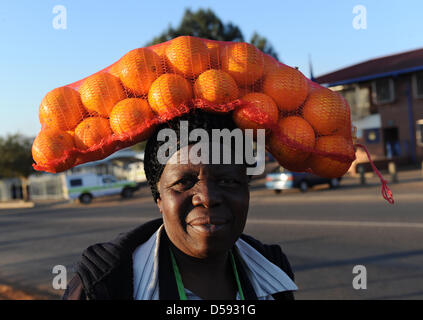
(124, 164)
(10, 189)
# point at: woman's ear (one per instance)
(159, 201)
(159, 204)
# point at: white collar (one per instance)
(265, 277)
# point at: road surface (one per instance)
(324, 233)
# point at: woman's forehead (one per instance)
(181, 162)
(213, 153)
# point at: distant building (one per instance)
(386, 100)
(10, 189)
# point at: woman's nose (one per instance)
(207, 194)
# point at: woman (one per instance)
(197, 249)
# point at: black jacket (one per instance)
(105, 270)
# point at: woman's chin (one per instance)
(211, 240)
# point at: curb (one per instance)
(16, 205)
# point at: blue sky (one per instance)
(35, 57)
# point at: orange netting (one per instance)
(308, 127)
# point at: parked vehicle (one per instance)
(87, 186)
(282, 179)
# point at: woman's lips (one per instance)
(208, 224)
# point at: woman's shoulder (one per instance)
(99, 262)
(272, 252)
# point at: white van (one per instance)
(87, 186)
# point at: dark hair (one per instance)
(196, 119)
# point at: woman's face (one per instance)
(204, 206)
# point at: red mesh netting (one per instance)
(308, 127)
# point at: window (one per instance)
(75, 182)
(418, 84)
(108, 180)
(383, 91)
(419, 132)
(372, 135)
(358, 98)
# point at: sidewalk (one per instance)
(10, 293)
(20, 204)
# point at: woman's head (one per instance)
(204, 206)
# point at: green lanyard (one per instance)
(180, 285)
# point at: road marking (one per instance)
(107, 220)
(338, 223)
(333, 198)
(264, 221)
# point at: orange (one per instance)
(100, 92)
(71, 133)
(258, 105)
(114, 69)
(243, 91)
(215, 86)
(188, 56)
(131, 114)
(313, 86)
(214, 53)
(270, 64)
(325, 166)
(347, 131)
(61, 109)
(91, 131)
(287, 86)
(138, 69)
(50, 146)
(243, 61)
(160, 49)
(300, 166)
(297, 130)
(168, 92)
(326, 111)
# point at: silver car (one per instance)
(281, 179)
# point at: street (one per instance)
(324, 233)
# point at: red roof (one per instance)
(392, 63)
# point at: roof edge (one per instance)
(373, 76)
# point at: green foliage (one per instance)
(264, 45)
(15, 156)
(205, 24)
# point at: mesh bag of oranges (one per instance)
(308, 127)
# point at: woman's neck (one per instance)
(215, 263)
(209, 278)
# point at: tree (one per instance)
(16, 159)
(206, 24)
(203, 24)
(264, 45)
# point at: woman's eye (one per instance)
(184, 183)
